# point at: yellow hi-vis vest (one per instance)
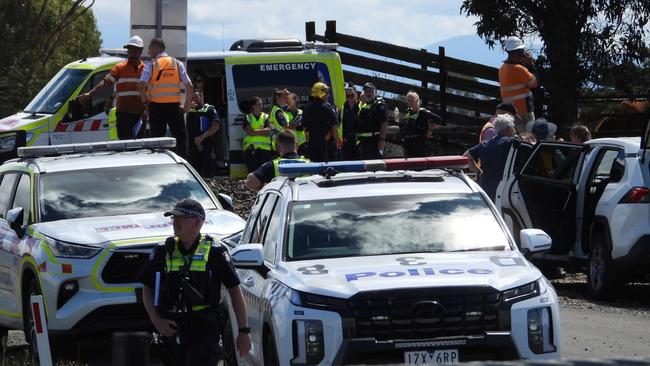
(278, 161)
(112, 124)
(165, 83)
(175, 261)
(258, 142)
(301, 137)
(274, 124)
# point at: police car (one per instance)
(78, 221)
(388, 261)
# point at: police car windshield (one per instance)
(393, 225)
(118, 191)
(57, 91)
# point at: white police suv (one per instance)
(78, 221)
(373, 262)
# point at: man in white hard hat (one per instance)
(125, 76)
(516, 79)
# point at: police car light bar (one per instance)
(293, 168)
(121, 145)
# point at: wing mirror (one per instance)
(247, 256)
(15, 220)
(534, 240)
(226, 201)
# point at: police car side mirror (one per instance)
(534, 240)
(247, 256)
(15, 220)
(226, 201)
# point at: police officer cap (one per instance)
(187, 208)
(369, 85)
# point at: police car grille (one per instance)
(123, 267)
(418, 313)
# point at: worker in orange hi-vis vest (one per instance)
(516, 79)
(160, 91)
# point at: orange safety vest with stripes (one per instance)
(126, 77)
(165, 83)
(512, 80)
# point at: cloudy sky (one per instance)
(413, 23)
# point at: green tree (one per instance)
(39, 37)
(582, 39)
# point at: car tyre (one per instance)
(228, 341)
(270, 353)
(601, 276)
(28, 321)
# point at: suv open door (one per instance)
(542, 194)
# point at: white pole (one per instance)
(40, 324)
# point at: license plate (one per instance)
(437, 357)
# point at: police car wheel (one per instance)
(601, 277)
(228, 340)
(270, 354)
(28, 321)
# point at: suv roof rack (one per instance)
(121, 145)
(267, 45)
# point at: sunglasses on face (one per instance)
(349, 95)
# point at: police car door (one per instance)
(92, 124)
(508, 200)
(254, 281)
(9, 242)
(548, 187)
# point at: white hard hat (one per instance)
(514, 43)
(135, 41)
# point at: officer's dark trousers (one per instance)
(202, 157)
(415, 146)
(199, 342)
(254, 158)
(368, 149)
(162, 115)
(349, 150)
(125, 124)
(318, 150)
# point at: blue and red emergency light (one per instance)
(295, 168)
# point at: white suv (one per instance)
(77, 222)
(592, 199)
(389, 267)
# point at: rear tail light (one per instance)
(636, 195)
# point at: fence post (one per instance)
(442, 68)
(330, 31)
(424, 66)
(310, 31)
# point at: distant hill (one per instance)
(470, 48)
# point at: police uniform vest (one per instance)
(200, 119)
(367, 125)
(164, 85)
(278, 161)
(258, 142)
(412, 127)
(183, 270)
(274, 124)
(301, 137)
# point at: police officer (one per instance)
(294, 114)
(202, 124)
(372, 124)
(349, 118)
(319, 120)
(278, 117)
(288, 150)
(182, 282)
(257, 142)
(160, 90)
(417, 126)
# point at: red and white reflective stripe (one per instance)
(79, 126)
(40, 327)
(110, 77)
(516, 97)
(38, 323)
(512, 87)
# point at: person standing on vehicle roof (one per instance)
(160, 90)
(288, 150)
(492, 155)
(319, 119)
(125, 77)
(202, 124)
(372, 125)
(257, 144)
(417, 126)
(294, 115)
(349, 118)
(516, 79)
(182, 288)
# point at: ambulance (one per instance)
(231, 78)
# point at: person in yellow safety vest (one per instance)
(372, 125)
(160, 91)
(124, 76)
(112, 124)
(516, 79)
(295, 122)
(182, 289)
(288, 150)
(278, 117)
(257, 142)
(417, 125)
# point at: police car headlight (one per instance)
(526, 291)
(64, 249)
(540, 330)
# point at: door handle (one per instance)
(249, 282)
